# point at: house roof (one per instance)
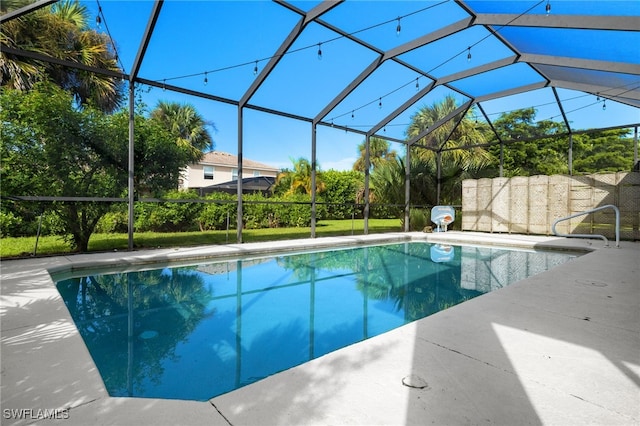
(249, 185)
(219, 158)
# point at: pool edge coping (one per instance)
(74, 264)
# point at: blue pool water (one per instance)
(199, 331)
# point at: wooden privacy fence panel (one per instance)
(530, 205)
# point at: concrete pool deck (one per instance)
(560, 348)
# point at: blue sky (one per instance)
(228, 39)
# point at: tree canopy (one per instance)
(298, 180)
(540, 152)
(62, 32)
(533, 147)
(186, 125)
(379, 152)
(50, 147)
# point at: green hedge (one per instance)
(168, 216)
(284, 211)
(258, 212)
(214, 215)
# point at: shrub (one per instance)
(293, 210)
(259, 211)
(9, 224)
(379, 211)
(418, 219)
(24, 219)
(169, 216)
(115, 221)
(297, 214)
(258, 215)
(341, 189)
(214, 215)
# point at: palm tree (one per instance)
(17, 72)
(455, 164)
(378, 153)
(300, 178)
(467, 132)
(188, 127)
(60, 31)
(388, 182)
(388, 178)
(73, 12)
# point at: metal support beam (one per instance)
(317, 11)
(570, 155)
(314, 13)
(408, 103)
(367, 167)
(513, 91)
(164, 86)
(313, 180)
(623, 94)
(535, 138)
(134, 72)
(24, 10)
(352, 130)
(490, 26)
(407, 188)
(501, 173)
(373, 48)
(70, 64)
(349, 88)
(564, 116)
(439, 174)
(429, 38)
(239, 213)
(146, 37)
(392, 54)
(131, 165)
(495, 132)
(635, 147)
(486, 117)
(468, 104)
(415, 98)
(586, 64)
(478, 70)
(439, 123)
(441, 81)
(291, 38)
(542, 20)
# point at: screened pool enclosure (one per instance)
(341, 72)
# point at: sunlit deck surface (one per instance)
(562, 347)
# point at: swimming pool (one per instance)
(195, 332)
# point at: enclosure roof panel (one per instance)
(602, 45)
(563, 7)
(328, 62)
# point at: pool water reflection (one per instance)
(199, 331)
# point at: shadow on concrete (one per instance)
(558, 348)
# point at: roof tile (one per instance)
(219, 158)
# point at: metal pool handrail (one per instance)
(606, 242)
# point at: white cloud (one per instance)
(340, 165)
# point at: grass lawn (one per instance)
(49, 245)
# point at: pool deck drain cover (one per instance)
(414, 381)
(593, 283)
